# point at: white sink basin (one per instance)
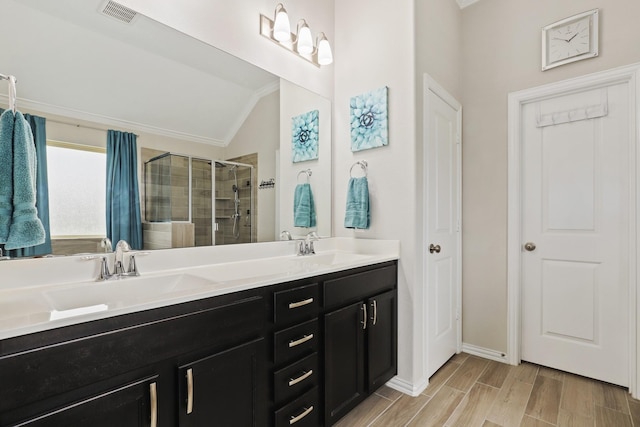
(332, 258)
(100, 296)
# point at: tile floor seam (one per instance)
(418, 411)
(381, 413)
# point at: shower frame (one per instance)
(212, 162)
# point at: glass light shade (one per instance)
(281, 27)
(305, 41)
(325, 57)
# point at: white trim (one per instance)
(406, 387)
(516, 100)
(248, 108)
(140, 127)
(464, 3)
(422, 314)
(485, 353)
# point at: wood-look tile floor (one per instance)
(469, 391)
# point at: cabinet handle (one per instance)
(300, 303)
(302, 340)
(374, 307)
(304, 376)
(189, 391)
(306, 412)
(153, 396)
(364, 316)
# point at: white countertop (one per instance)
(42, 294)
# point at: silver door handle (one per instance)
(300, 303)
(530, 246)
(153, 396)
(364, 316)
(294, 381)
(302, 340)
(306, 412)
(374, 316)
(434, 248)
(189, 391)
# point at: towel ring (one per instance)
(308, 172)
(363, 165)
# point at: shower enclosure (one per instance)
(179, 202)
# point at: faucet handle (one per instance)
(133, 268)
(104, 269)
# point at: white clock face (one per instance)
(569, 40)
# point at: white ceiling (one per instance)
(72, 60)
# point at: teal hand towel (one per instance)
(6, 173)
(304, 210)
(26, 228)
(357, 213)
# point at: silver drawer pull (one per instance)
(302, 340)
(294, 381)
(153, 396)
(300, 303)
(189, 391)
(306, 412)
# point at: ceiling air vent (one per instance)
(119, 12)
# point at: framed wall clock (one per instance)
(569, 40)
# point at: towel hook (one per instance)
(12, 91)
(363, 165)
(308, 172)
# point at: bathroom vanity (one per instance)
(297, 352)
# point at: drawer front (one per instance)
(345, 290)
(302, 412)
(294, 342)
(295, 379)
(294, 305)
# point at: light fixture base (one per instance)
(266, 30)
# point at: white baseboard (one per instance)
(485, 353)
(406, 387)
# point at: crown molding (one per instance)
(248, 108)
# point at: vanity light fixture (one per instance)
(278, 31)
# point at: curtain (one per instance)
(123, 197)
(38, 128)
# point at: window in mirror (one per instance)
(76, 195)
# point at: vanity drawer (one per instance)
(302, 412)
(348, 289)
(296, 341)
(297, 304)
(296, 378)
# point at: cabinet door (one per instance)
(382, 341)
(226, 389)
(132, 405)
(344, 360)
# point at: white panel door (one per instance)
(442, 231)
(575, 231)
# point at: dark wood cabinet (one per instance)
(360, 339)
(343, 361)
(224, 388)
(301, 353)
(132, 405)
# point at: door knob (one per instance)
(530, 246)
(434, 248)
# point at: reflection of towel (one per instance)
(26, 228)
(357, 212)
(6, 168)
(304, 210)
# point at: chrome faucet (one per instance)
(122, 247)
(306, 246)
(285, 235)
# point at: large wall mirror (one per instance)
(214, 133)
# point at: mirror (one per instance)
(87, 72)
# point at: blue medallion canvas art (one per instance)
(304, 137)
(369, 120)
